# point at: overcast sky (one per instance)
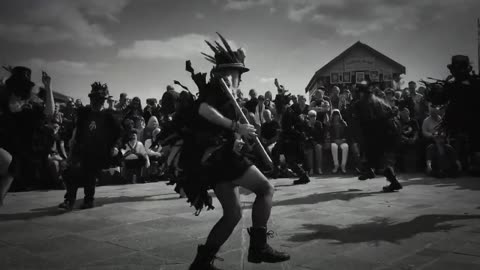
(140, 46)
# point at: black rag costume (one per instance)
(460, 94)
(380, 135)
(207, 156)
(21, 132)
(97, 132)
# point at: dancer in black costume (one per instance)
(214, 162)
(92, 147)
(22, 114)
(461, 94)
(380, 135)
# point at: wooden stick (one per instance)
(265, 157)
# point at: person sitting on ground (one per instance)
(135, 157)
(338, 138)
(151, 126)
(431, 123)
(409, 137)
(315, 133)
(57, 156)
(442, 160)
(153, 149)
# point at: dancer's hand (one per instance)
(247, 130)
(46, 80)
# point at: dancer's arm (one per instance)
(215, 117)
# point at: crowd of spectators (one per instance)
(330, 137)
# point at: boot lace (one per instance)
(271, 234)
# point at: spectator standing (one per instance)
(315, 134)
(335, 98)
(169, 99)
(78, 104)
(338, 138)
(258, 113)
(134, 109)
(57, 115)
(252, 104)
(122, 104)
(269, 131)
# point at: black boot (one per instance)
(394, 184)
(259, 251)
(204, 259)
(367, 174)
(304, 179)
(67, 205)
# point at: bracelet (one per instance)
(232, 126)
(237, 126)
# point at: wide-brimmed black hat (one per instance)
(99, 90)
(459, 61)
(20, 81)
(226, 58)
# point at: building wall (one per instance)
(358, 60)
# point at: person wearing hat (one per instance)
(380, 135)
(92, 146)
(169, 99)
(461, 96)
(215, 161)
(20, 119)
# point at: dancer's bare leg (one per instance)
(228, 195)
(6, 178)
(256, 182)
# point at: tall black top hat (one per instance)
(20, 81)
(226, 58)
(459, 61)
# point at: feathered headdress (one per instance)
(99, 90)
(225, 57)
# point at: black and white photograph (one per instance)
(239, 135)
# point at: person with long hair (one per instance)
(217, 144)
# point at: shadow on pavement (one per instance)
(382, 229)
(322, 197)
(325, 197)
(461, 183)
(99, 202)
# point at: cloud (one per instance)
(41, 22)
(267, 80)
(65, 67)
(355, 18)
(180, 47)
(246, 4)
(199, 15)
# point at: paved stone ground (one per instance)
(331, 223)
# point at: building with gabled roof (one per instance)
(358, 62)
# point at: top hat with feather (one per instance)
(225, 57)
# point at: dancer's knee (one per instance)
(5, 161)
(233, 216)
